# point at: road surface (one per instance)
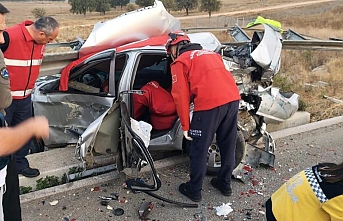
(293, 153)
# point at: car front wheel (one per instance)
(213, 155)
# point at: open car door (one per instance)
(135, 153)
(102, 136)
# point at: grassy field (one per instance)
(323, 20)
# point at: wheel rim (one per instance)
(213, 156)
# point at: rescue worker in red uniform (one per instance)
(23, 51)
(159, 102)
(199, 76)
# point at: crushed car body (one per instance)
(85, 102)
(88, 113)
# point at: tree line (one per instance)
(102, 6)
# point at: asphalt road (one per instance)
(293, 153)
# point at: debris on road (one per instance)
(95, 189)
(145, 209)
(53, 203)
(200, 217)
(118, 211)
(243, 172)
(224, 209)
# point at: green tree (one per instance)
(81, 6)
(92, 5)
(121, 3)
(187, 5)
(169, 4)
(144, 3)
(102, 6)
(210, 6)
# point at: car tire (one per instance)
(213, 159)
(214, 154)
(36, 146)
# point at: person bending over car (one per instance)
(199, 76)
(159, 103)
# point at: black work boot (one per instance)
(224, 191)
(185, 190)
(29, 172)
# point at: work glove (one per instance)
(185, 133)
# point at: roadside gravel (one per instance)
(293, 153)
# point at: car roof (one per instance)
(206, 39)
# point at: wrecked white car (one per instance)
(83, 104)
(90, 102)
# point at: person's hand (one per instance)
(40, 127)
(185, 133)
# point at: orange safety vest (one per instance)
(23, 58)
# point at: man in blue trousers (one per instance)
(199, 76)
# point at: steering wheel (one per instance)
(92, 79)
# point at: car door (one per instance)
(135, 153)
(102, 136)
(90, 95)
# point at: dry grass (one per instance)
(320, 20)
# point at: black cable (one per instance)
(190, 205)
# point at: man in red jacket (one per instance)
(199, 76)
(23, 51)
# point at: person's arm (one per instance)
(13, 138)
(180, 93)
(4, 46)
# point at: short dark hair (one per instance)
(46, 24)
(332, 173)
(3, 9)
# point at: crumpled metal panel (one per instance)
(86, 139)
(267, 53)
(102, 135)
(68, 114)
(275, 105)
(129, 27)
(238, 34)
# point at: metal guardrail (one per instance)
(53, 63)
(304, 45)
(299, 42)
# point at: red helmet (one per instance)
(176, 37)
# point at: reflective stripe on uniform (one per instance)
(22, 63)
(313, 181)
(21, 93)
